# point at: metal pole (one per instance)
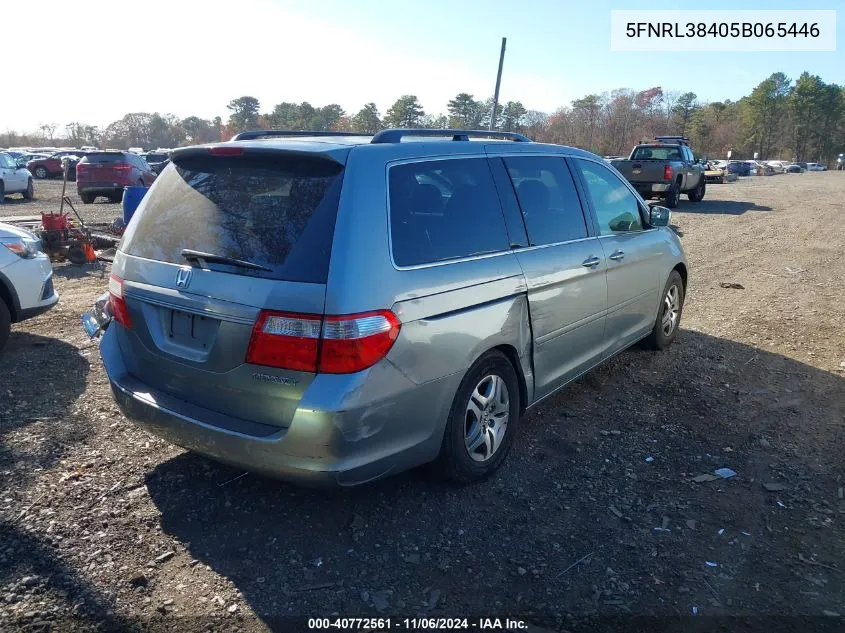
(498, 83)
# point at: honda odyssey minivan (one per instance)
(333, 308)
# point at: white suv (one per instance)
(26, 278)
(14, 179)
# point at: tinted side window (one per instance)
(617, 209)
(547, 196)
(444, 209)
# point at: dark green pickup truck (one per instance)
(664, 169)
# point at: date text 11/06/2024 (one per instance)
(416, 624)
(721, 29)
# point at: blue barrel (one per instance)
(132, 197)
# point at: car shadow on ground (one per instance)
(30, 566)
(725, 207)
(42, 378)
(596, 473)
(67, 270)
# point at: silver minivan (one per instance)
(333, 308)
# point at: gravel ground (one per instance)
(599, 512)
(48, 195)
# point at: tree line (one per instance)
(802, 120)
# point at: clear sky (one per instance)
(92, 61)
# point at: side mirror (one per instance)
(659, 216)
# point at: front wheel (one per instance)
(482, 421)
(668, 319)
(87, 198)
(40, 172)
(2, 192)
(697, 194)
(28, 194)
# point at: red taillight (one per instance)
(282, 339)
(356, 341)
(667, 172)
(122, 166)
(81, 167)
(117, 304)
(333, 345)
(226, 151)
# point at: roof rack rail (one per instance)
(253, 134)
(396, 135)
(676, 139)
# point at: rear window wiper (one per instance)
(199, 257)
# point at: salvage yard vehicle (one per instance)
(14, 178)
(816, 167)
(52, 166)
(332, 308)
(106, 173)
(665, 168)
(26, 278)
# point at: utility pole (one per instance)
(498, 83)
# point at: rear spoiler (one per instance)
(234, 150)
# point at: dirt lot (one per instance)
(596, 514)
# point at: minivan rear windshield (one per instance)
(278, 212)
(104, 158)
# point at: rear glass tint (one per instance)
(444, 209)
(657, 152)
(278, 213)
(104, 158)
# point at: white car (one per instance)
(26, 278)
(777, 165)
(815, 167)
(14, 179)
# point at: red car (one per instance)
(107, 173)
(52, 166)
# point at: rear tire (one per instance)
(697, 194)
(87, 198)
(668, 320)
(672, 197)
(116, 197)
(2, 192)
(482, 424)
(5, 323)
(29, 193)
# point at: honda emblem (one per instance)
(183, 277)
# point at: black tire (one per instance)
(2, 192)
(454, 461)
(697, 194)
(40, 172)
(29, 193)
(87, 198)
(659, 337)
(5, 323)
(116, 197)
(672, 196)
(76, 254)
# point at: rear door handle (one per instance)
(591, 262)
(617, 256)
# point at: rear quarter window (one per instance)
(277, 212)
(442, 210)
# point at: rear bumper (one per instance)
(347, 430)
(102, 188)
(651, 187)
